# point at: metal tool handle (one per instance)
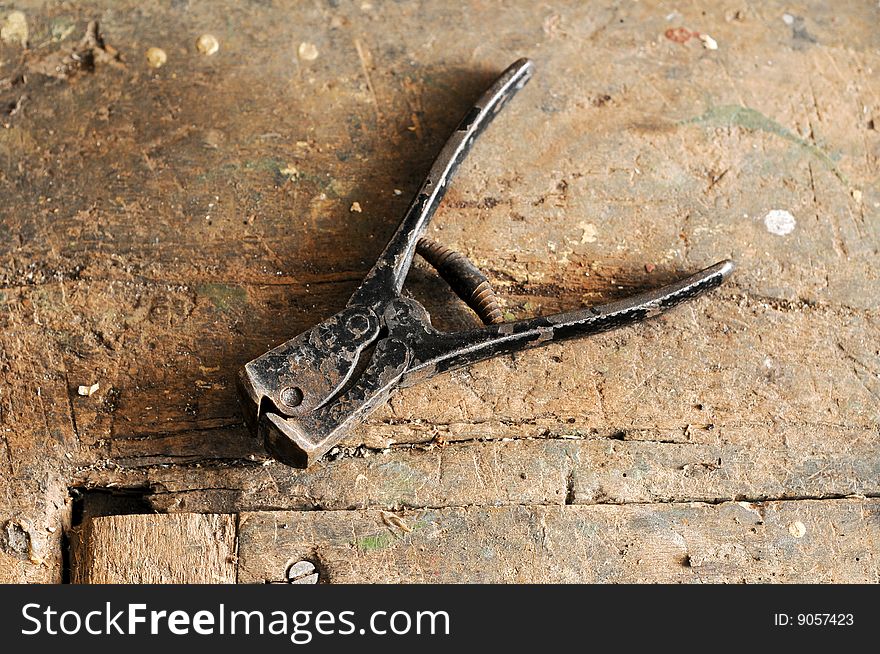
(414, 351)
(386, 277)
(435, 352)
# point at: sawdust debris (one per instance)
(797, 529)
(708, 42)
(15, 29)
(88, 391)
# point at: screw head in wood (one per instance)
(302, 572)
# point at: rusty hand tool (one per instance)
(303, 396)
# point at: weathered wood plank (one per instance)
(37, 431)
(546, 251)
(803, 541)
(155, 549)
(721, 369)
(533, 472)
(597, 128)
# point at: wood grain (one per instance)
(168, 225)
(692, 542)
(539, 471)
(156, 549)
(670, 543)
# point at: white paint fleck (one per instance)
(779, 222)
(590, 232)
(14, 29)
(207, 44)
(562, 260)
(307, 51)
(156, 57)
(797, 529)
(788, 19)
(708, 42)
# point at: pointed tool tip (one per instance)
(523, 68)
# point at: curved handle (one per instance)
(435, 352)
(386, 278)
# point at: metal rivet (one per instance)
(358, 324)
(291, 396)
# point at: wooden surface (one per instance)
(631, 543)
(186, 548)
(161, 227)
(636, 543)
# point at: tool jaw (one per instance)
(303, 374)
(299, 441)
(287, 442)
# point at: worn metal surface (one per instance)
(168, 225)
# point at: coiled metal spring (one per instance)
(463, 277)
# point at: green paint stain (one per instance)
(754, 120)
(386, 538)
(376, 541)
(269, 165)
(61, 28)
(223, 296)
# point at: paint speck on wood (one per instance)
(156, 57)
(207, 44)
(307, 51)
